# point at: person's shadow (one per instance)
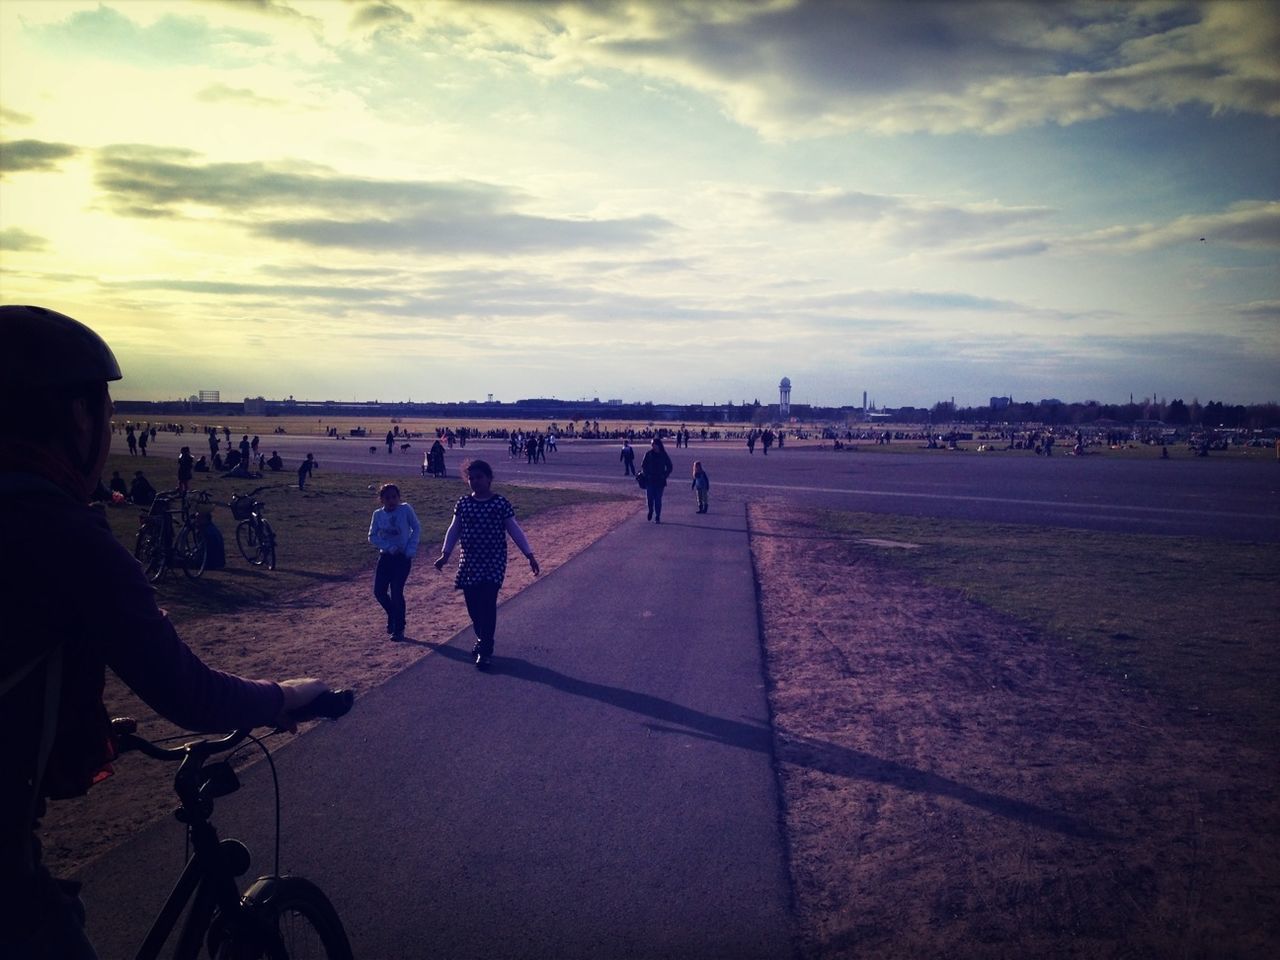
(804, 751)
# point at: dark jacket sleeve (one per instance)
(139, 643)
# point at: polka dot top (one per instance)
(483, 536)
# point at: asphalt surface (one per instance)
(606, 792)
(1209, 497)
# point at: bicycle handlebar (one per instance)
(329, 705)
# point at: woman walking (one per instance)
(482, 521)
(395, 531)
(656, 467)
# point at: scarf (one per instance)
(25, 456)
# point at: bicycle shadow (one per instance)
(809, 752)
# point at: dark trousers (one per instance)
(388, 587)
(628, 468)
(653, 496)
(482, 606)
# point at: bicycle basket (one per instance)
(242, 507)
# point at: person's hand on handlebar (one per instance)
(297, 694)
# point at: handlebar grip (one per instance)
(329, 705)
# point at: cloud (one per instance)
(913, 300)
(241, 96)
(162, 180)
(13, 116)
(355, 212)
(106, 34)
(907, 221)
(1004, 251)
(491, 233)
(21, 155)
(799, 68)
(1252, 224)
(17, 240)
(379, 14)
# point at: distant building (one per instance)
(784, 398)
(1001, 403)
(210, 396)
(255, 406)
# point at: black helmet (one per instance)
(44, 348)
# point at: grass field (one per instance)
(322, 532)
(1193, 619)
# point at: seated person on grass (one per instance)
(141, 491)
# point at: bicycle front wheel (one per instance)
(192, 551)
(267, 538)
(247, 541)
(291, 918)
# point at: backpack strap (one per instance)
(52, 660)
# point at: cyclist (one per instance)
(76, 603)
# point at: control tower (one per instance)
(784, 398)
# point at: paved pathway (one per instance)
(607, 792)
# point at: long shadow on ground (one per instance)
(808, 752)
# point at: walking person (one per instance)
(656, 467)
(701, 485)
(481, 521)
(186, 466)
(142, 442)
(628, 458)
(395, 531)
(305, 468)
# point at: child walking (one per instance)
(701, 485)
(395, 531)
(482, 521)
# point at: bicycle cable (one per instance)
(275, 785)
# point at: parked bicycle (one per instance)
(277, 917)
(254, 536)
(162, 544)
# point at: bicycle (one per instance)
(157, 547)
(254, 536)
(277, 917)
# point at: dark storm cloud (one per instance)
(817, 66)
(20, 155)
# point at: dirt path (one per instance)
(335, 632)
(956, 785)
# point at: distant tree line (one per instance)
(1174, 413)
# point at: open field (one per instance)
(1191, 619)
(1009, 742)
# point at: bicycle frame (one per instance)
(208, 880)
(209, 877)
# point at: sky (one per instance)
(670, 201)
